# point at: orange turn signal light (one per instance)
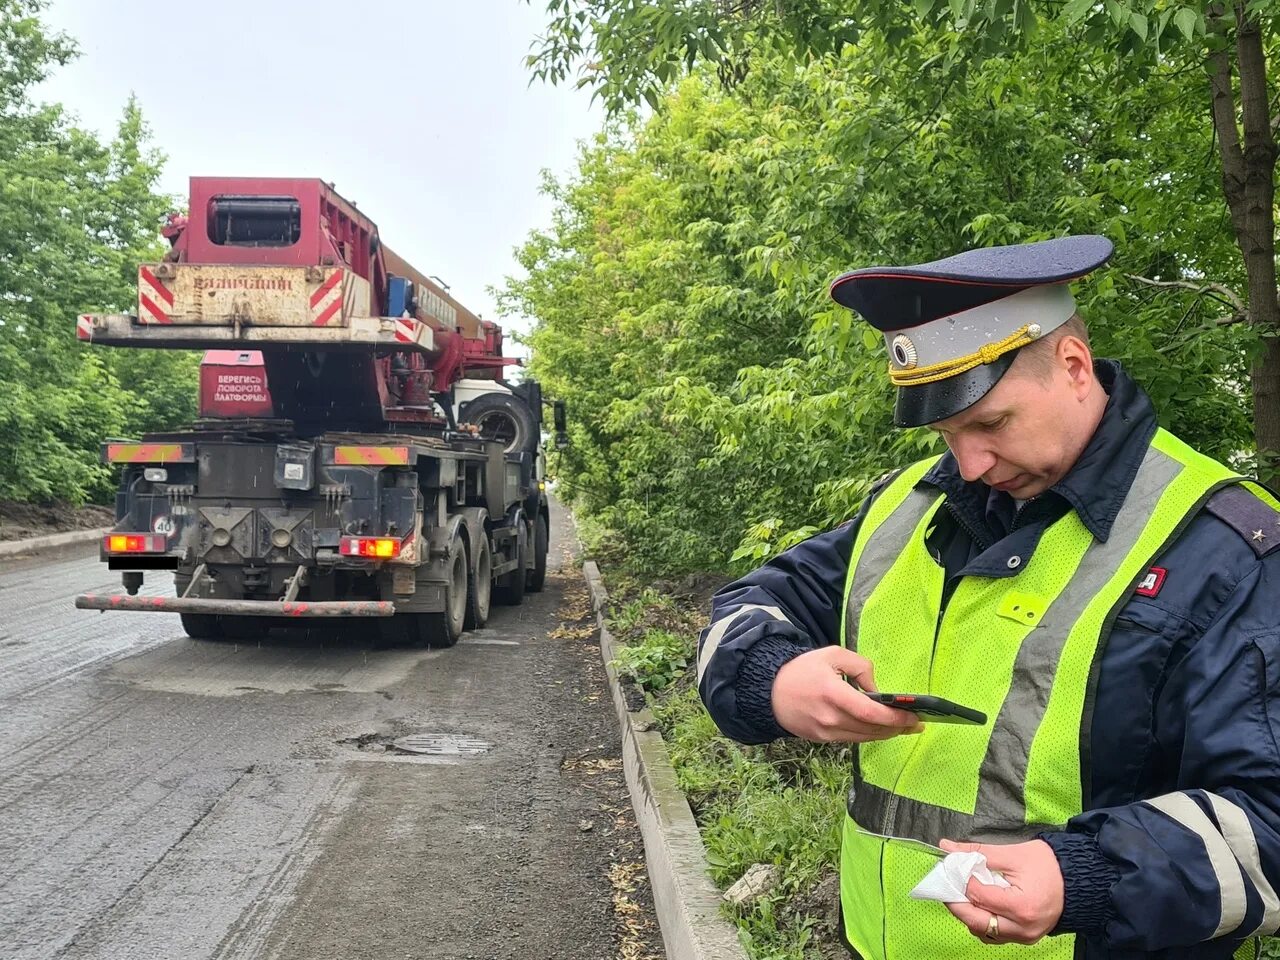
(135, 543)
(372, 548)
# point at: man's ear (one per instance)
(1075, 357)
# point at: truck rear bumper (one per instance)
(251, 608)
(358, 333)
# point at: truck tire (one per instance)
(441, 629)
(538, 575)
(509, 588)
(503, 417)
(479, 583)
(201, 626)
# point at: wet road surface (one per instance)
(162, 797)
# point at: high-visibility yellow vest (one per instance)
(1023, 650)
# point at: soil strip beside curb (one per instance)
(54, 541)
(687, 902)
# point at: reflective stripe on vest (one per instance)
(1023, 650)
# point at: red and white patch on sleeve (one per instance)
(1152, 582)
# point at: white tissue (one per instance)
(947, 881)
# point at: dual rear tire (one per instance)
(537, 575)
(509, 588)
(442, 628)
(479, 585)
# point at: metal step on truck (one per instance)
(359, 452)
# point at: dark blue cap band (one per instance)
(896, 298)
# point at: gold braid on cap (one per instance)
(987, 353)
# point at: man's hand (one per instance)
(1025, 911)
(812, 699)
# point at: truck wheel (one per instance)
(443, 629)
(505, 418)
(538, 575)
(440, 629)
(201, 626)
(479, 584)
(509, 589)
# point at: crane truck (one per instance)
(359, 451)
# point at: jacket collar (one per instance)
(1097, 485)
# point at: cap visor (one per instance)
(917, 406)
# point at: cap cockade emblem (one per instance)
(904, 352)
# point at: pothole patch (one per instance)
(372, 742)
(441, 745)
(415, 747)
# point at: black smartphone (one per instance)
(931, 709)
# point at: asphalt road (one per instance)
(166, 798)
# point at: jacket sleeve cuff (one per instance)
(1087, 879)
(755, 683)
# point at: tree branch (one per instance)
(1218, 291)
(942, 97)
(1223, 106)
(1258, 241)
(1253, 83)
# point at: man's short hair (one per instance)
(1036, 359)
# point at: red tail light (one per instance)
(135, 543)
(372, 548)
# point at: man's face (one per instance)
(1029, 430)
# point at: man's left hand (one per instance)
(1028, 908)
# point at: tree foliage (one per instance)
(721, 400)
(76, 216)
(1141, 41)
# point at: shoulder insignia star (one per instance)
(1259, 535)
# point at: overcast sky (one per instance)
(420, 112)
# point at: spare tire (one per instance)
(503, 417)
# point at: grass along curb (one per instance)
(687, 902)
(780, 804)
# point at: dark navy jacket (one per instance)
(1187, 692)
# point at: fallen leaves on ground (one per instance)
(625, 877)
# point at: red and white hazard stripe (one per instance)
(326, 299)
(155, 300)
(84, 327)
(406, 330)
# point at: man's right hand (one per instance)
(812, 699)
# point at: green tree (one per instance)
(681, 291)
(76, 216)
(627, 50)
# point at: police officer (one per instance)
(1107, 596)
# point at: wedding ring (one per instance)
(993, 927)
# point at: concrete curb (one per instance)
(54, 541)
(687, 902)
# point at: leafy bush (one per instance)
(657, 661)
(722, 405)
